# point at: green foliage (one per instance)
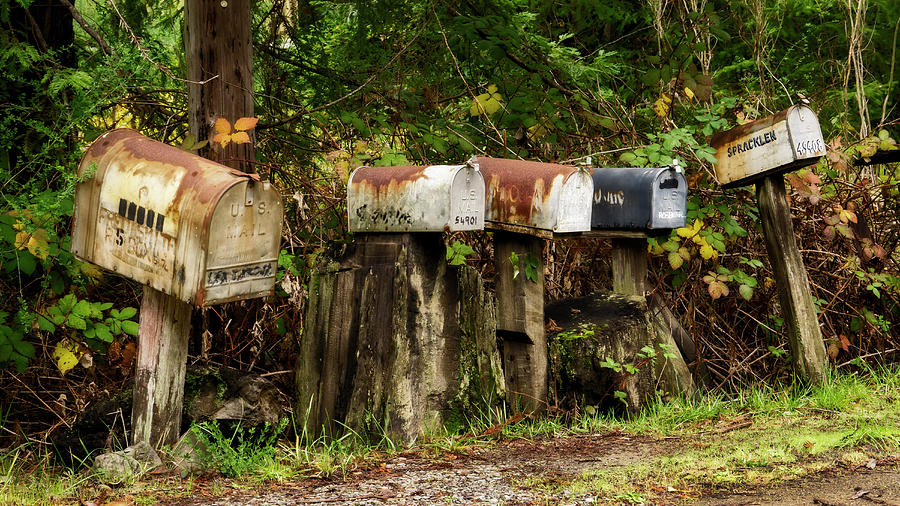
(457, 253)
(241, 453)
(529, 264)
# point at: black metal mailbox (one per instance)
(639, 198)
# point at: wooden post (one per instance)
(629, 266)
(219, 54)
(520, 320)
(165, 325)
(790, 276)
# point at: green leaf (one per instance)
(126, 313)
(746, 291)
(23, 348)
(675, 260)
(130, 327)
(27, 263)
(76, 322)
(103, 332)
(45, 324)
(82, 309)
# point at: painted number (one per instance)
(466, 220)
(809, 146)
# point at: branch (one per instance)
(87, 28)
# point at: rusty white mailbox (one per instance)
(779, 143)
(537, 196)
(416, 199)
(632, 198)
(184, 225)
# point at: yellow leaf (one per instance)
(240, 138)
(707, 251)
(661, 106)
(245, 123)
(688, 93)
(492, 88)
(38, 244)
(222, 126)
(91, 271)
(66, 355)
(690, 230)
(222, 139)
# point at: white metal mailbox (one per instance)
(182, 224)
(537, 196)
(416, 199)
(779, 143)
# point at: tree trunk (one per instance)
(218, 49)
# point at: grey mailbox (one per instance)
(639, 198)
(416, 199)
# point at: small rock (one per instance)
(871, 464)
(186, 455)
(126, 464)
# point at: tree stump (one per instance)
(604, 351)
(390, 346)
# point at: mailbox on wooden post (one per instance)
(644, 199)
(772, 145)
(416, 199)
(760, 152)
(528, 202)
(385, 316)
(197, 231)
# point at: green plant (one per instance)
(457, 252)
(528, 263)
(243, 452)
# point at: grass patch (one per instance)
(763, 435)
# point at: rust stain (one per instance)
(721, 139)
(516, 188)
(383, 177)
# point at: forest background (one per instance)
(386, 82)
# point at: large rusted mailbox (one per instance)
(639, 198)
(416, 199)
(779, 143)
(182, 224)
(536, 197)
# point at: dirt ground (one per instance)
(537, 472)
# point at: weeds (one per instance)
(245, 452)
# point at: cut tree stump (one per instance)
(390, 347)
(794, 292)
(520, 319)
(594, 341)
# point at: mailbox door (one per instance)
(243, 240)
(574, 208)
(467, 200)
(668, 200)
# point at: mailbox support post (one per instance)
(790, 277)
(629, 266)
(520, 320)
(160, 368)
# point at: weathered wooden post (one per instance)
(528, 203)
(760, 152)
(395, 339)
(631, 204)
(194, 232)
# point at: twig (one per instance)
(87, 28)
(885, 352)
(146, 55)
(17, 378)
(348, 95)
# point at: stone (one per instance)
(128, 464)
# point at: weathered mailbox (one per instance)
(186, 226)
(416, 199)
(779, 143)
(639, 198)
(539, 196)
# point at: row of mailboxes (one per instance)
(533, 197)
